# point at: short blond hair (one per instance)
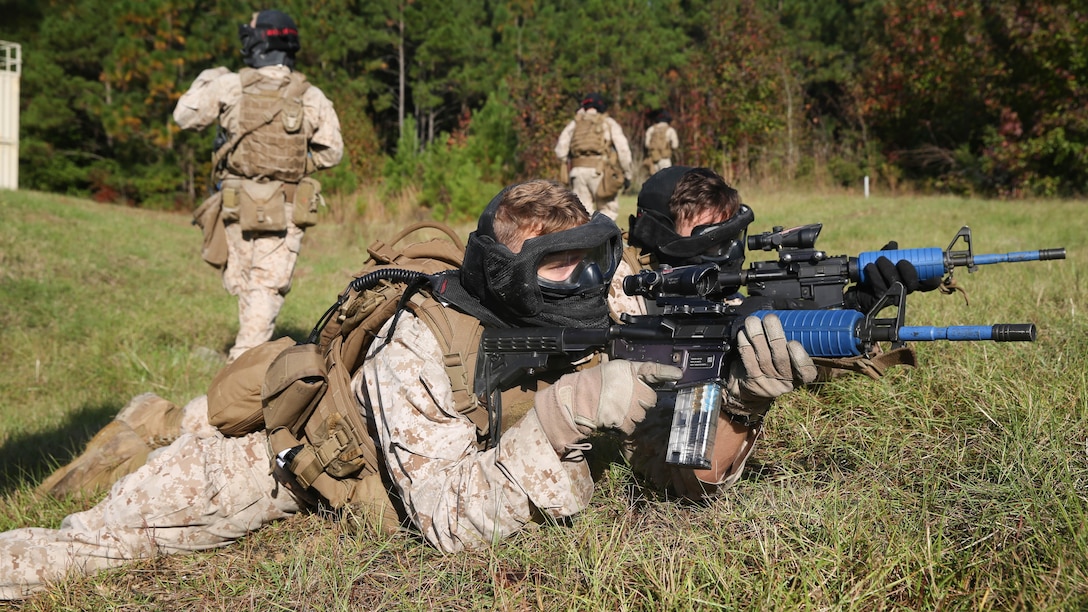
(536, 208)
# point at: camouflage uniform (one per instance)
(205, 490)
(457, 495)
(259, 265)
(202, 491)
(620, 302)
(584, 180)
(670, 137)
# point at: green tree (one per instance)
(981, 96)
(451, 67)
(738, 89)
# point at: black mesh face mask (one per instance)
(507, 283)
(720, 243)
(654, 230)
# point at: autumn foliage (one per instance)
(966, 96)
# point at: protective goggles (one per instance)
(714, 242)
(593, 269)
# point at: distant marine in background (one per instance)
(275, 130)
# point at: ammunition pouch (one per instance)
(307, 200)
(294, 383)
(256, 207)
(292, 114)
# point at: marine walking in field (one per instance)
(661, 142)
(276, 129)
(599, 156)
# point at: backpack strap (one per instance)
(458, 335)
(634, 258)
(874, 367)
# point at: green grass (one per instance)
(961, 484)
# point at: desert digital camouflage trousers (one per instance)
(584, 182)
(202, 491)
(258, 272)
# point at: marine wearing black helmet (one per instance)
(270, 38)
(595, 101)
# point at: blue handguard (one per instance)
(844, 333)
(932, 262)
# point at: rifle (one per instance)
(803, 272)
(698, 335)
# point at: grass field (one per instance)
(960, 484)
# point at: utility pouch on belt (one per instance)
(230, 188)
(307, 199)
(257, 207)
(611, 177)
(208, 217)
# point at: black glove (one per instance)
(881, 275)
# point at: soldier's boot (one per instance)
(118, 449)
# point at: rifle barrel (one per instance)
(1018, 256)
(1001, 332)
(932, 262)
(839, 333)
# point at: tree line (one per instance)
(455, 99)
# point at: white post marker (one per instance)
(10, 68)
(866, 185)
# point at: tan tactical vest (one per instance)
(659, 143)
(273, 133)
(591, 137)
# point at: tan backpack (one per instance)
(589, 138)
(659, 143)
(304, 395)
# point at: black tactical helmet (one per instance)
(594, 100)
(654, 229)
(272, 40)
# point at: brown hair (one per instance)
(536, 208)
(702, 189)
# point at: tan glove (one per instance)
(613, 395)
(769, 366)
